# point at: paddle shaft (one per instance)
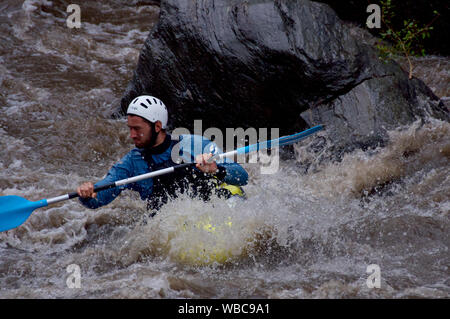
(121, 182)
(14, 210)
(285, 140)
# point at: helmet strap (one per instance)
(154, 134)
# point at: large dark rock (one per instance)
(262, 63)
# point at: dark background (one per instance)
(419, 10)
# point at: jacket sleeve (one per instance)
(120, 170)
(232, 173)
(229, 171)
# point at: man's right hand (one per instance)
(86, 190)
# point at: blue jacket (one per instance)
(138, 162)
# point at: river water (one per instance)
(298, 235)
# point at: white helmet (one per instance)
(150, 108)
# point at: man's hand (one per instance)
(204, 166)
(86, 190)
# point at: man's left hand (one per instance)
(205, 166)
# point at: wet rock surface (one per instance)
(286, 64)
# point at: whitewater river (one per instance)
(330, 232)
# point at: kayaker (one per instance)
(147, 118)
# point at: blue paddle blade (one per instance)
(282, 141)
(14, 211)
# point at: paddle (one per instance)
(14, 210)
(285, 140)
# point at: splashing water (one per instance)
(298, 235)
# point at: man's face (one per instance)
(140, 131)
